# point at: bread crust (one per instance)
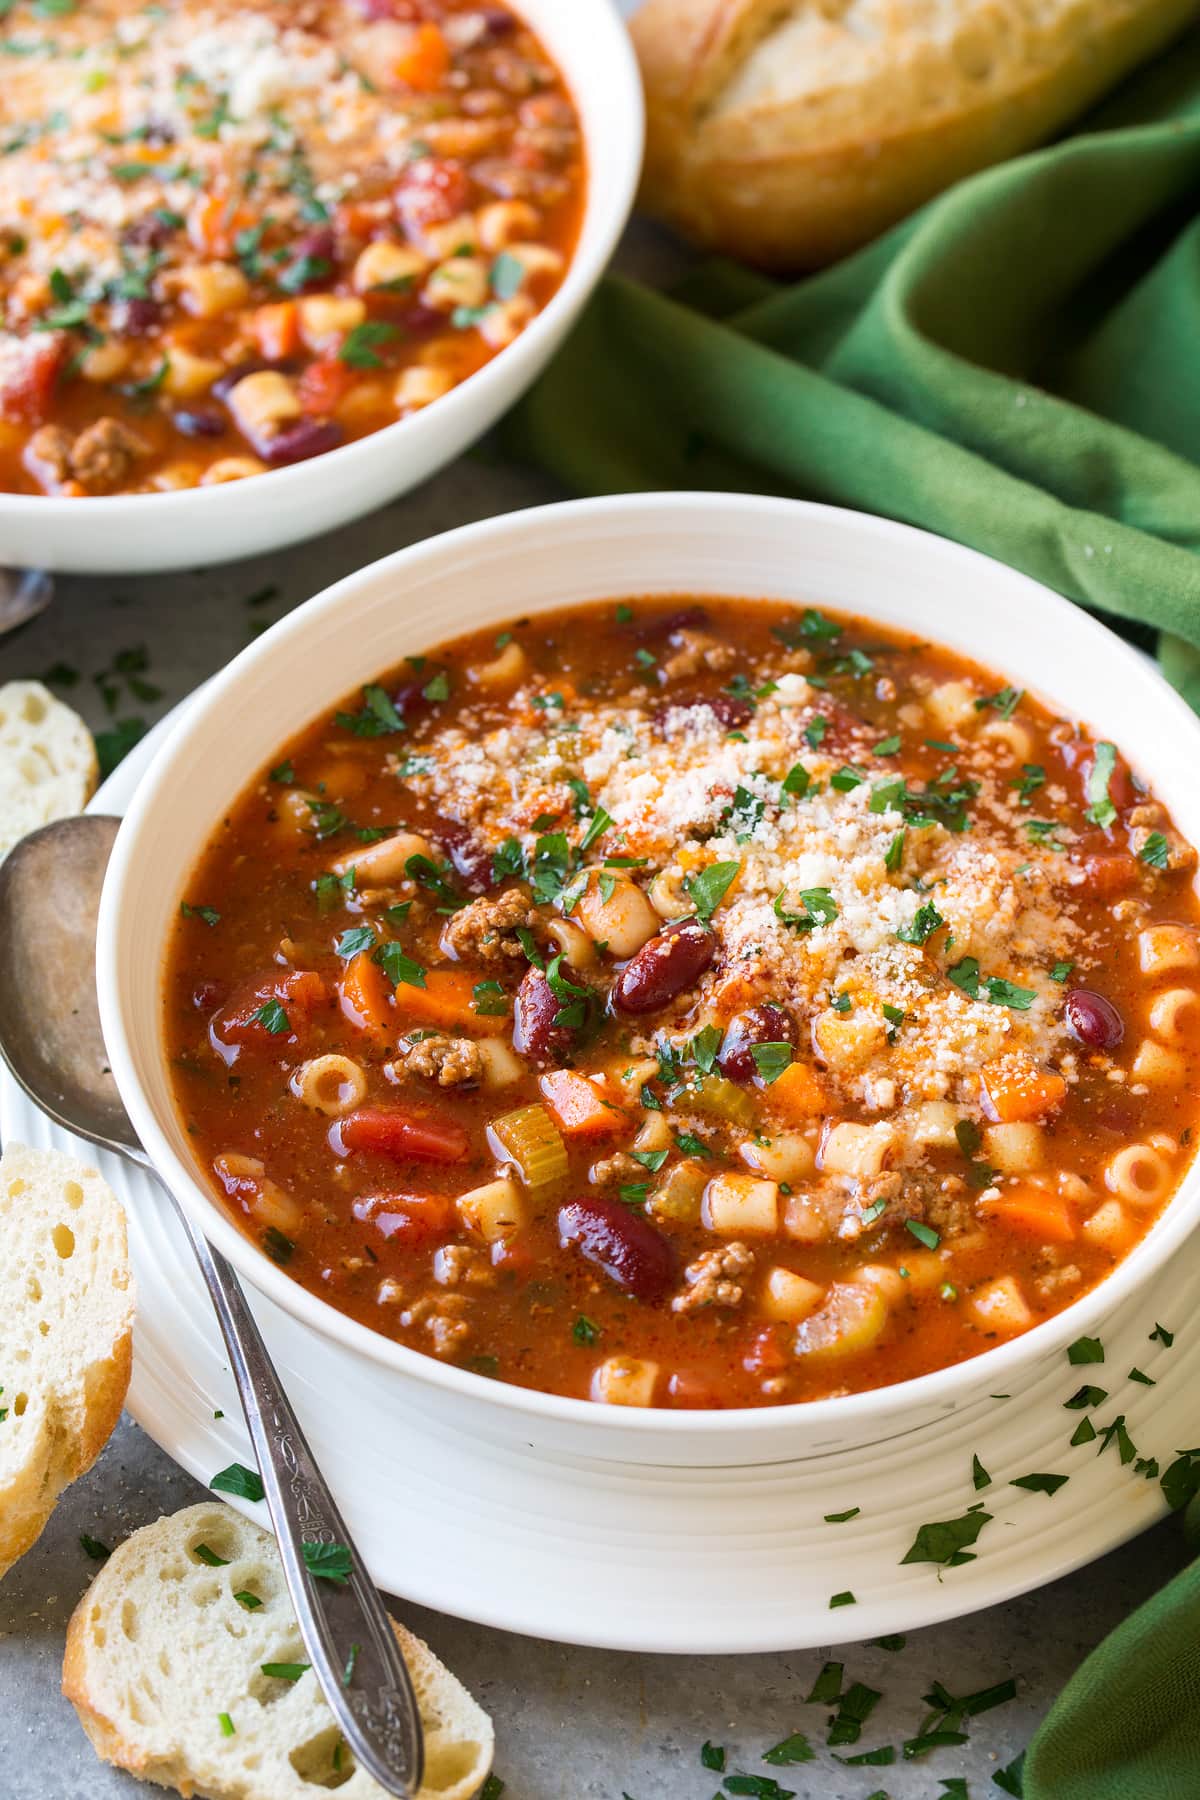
(78, 1375)
(773, 137)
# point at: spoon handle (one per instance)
(346, 1631)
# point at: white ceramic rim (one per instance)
(133, 862)
(607, 205)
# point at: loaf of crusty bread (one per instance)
(47, 760)
(164, 1666)
(66, 1332)
(787, 132)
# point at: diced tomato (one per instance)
(29, 368)
(431, 191)
(277, 1012)
(386, 1131)
(407, 1218)
(425, 60)
(516, 1255)
(1106, 875)
(323, 384)
(688, 1389)
(765, 1354)
(277, 328)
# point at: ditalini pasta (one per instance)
(682, 1002)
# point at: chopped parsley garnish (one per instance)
(353, 942)
(712, 1756)
(227, 1725)
(851, 1512)
(827, 1688)
(797, 781)
(815, 730)
(1101, 810)
(489, 1000)
(1141, 1376)
(209, 1557)
(1005, 702)
(771, 1060)
(377, 717)
(1085, 1350)
(811, 624)
(1117, 1433)
(1009, 1780)
(600, 823)
(691, 1145)
(843, 1599)
(820, 908)
(846, 779)
(437, 687)
(279, 1248)
(992, 988)
(1040, 1484)
(1060, 971)
(272, 1018)
(398, 965)
(1162, 1336)
(924, 1234)
(894, 854)
(1032, 777)
(283, 772)
(1181, 1480)
(708, 887)
(282, 1671)
(1156, 851)
(247, 1601)
(237, 1479)
(359, 347)
(584, 1330)
(793, 1749)
(328, 1562)
(94, 1548)
(887, 746)
(1084, 1433)
(895, 1018)
(1086, 1396)
(209, 914)
(947, 1542)
(856, 1706)
(980, 1478)
(925, 921)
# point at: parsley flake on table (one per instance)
(328, 1562)
(793, 1749)
(94, 1548)
(1010, 1780)
(712, 1756)
(827, 1688)
(854, 1709)
(285, 1671)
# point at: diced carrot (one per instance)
(323, 384)
(366, 998)
(277, 329)
(1017, 1087)
(798, 1093)
(580, 1106)
(1033, 1211)
(214, 222)
(446, 999)
(425, 61)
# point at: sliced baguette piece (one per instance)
(788, 132)
(159, 1649)
(48, 764)
(66, 1332)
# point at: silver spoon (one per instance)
(50, 1038)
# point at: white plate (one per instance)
(646, 1559)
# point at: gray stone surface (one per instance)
(570, 1722)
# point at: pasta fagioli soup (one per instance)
(691, 1003)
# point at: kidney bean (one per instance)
(472, 859)
(136, 316)
(200, 421)
(307, 437)
(150, 232)
(685, 618)
(1094, 1020)
(496, 23)
(418, 320)
(664, 967)
(760, 1025)
(432, 190)
(729, 712)
(534, 1031)
(629, 1250)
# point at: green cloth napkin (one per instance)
(1016, 367)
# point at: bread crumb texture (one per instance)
(66, 1299)
(164, 1665)
(47, 761)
